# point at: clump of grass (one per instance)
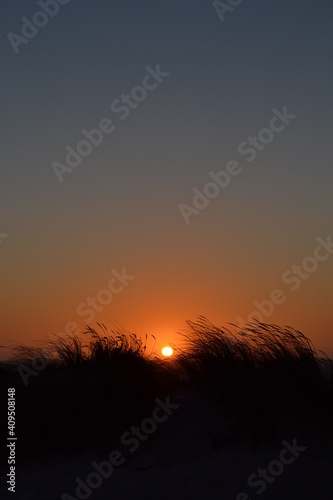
(262, 378)
(90, 388)
(255, 346)
(261, 374)
(91, 346)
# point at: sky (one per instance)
(178, 100)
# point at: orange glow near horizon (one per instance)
(160, 298)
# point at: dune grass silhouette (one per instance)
(265, 382)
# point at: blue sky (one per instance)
(119, 207)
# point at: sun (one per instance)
(167, 351)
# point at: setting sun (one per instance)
(167, 351)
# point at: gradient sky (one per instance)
(120, 207)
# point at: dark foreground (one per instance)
(240, 414)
